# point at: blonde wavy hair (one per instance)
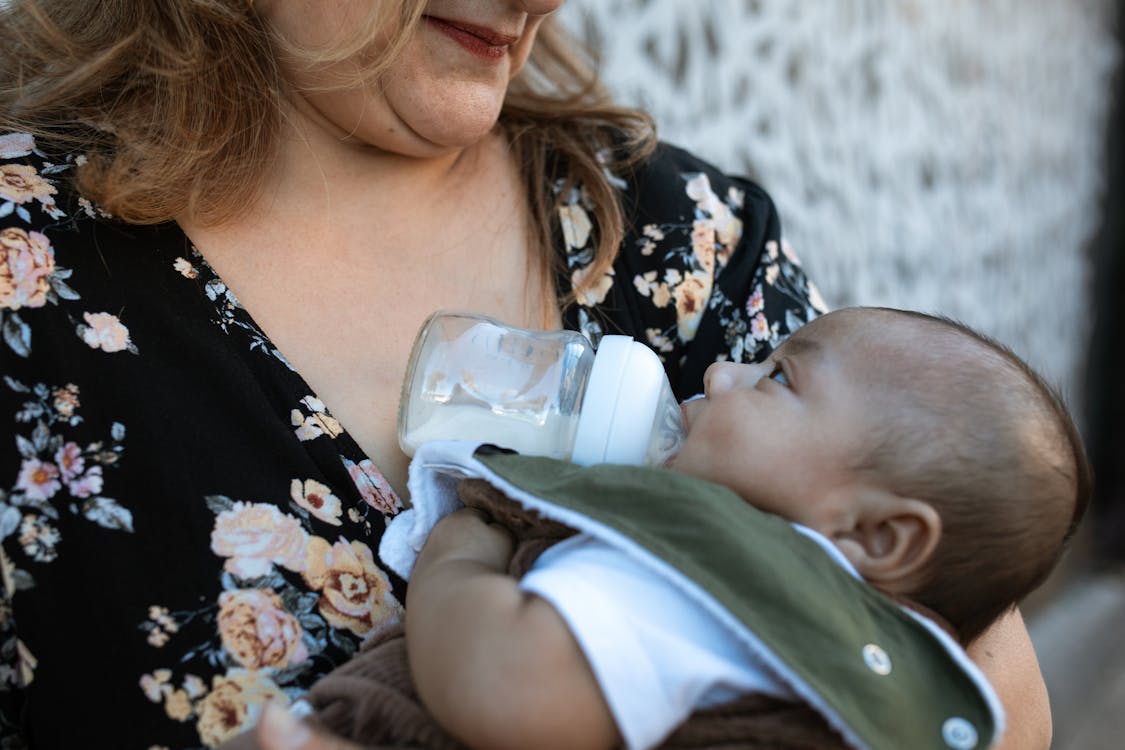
(176, 106)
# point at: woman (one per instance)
(222, 224)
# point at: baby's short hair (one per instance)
(972, 429)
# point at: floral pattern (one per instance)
(21, 183)
(313, 420)
(678, 267)
(286, 596)
(223, 545)
(373, 487)
(749, 331)
(52, 467)
(29, 278)
(227, 312)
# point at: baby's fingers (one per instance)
(280, 730)
(468, 535)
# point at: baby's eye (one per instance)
(778, 374)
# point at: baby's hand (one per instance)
(279, 730)
(468, 534)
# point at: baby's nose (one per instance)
(723, 376)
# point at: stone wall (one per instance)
(944, 156)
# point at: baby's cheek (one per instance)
(729, 427)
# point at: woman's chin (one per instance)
(457, 137)
(455, 127)
(453, 115)
(423, 142)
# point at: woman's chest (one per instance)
(345, 316)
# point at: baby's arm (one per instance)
(496, 666)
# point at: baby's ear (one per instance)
(889, 538)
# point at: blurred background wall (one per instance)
(944, 156)
(951, 156)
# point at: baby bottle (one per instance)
(542, 393)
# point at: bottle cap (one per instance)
(620, 404)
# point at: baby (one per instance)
(933, 460)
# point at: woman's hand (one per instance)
(280, 730)
(1006, 656)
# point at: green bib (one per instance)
(881, 675)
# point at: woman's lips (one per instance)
(477, 40)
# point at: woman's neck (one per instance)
(317, 165)
(324, 185)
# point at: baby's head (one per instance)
(938, 462)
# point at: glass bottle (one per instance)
(543, 393)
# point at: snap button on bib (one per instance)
(959, 734)
(876, 659)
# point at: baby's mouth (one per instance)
(684, 411)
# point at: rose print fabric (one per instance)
(703, 274)
(186, 532)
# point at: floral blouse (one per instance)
(186, 530)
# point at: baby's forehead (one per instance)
(877, 340)
(843, 326)
(873, 326)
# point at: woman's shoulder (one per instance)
(703, 268)
(45, 230)
(672, 174)
(669, 158)
(37, 184)
(29, 189)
